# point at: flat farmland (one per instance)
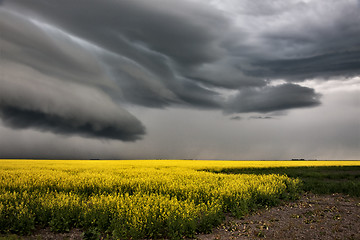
(137, 199)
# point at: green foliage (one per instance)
(15, 215)
(91, 234)
(10, 237)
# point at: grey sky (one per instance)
(180, 79)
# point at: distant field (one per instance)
(136, 199)
(191, 164)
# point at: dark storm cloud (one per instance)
(18, 118)
(324, 66)
(273, 98)
(186, 32)
(143, 46)
(30, 100)
(165, 53)
(28, 42)
(300, 40)
(33, 144)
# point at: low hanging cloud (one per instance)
(273, 98)
(30, 100)
(72, 67)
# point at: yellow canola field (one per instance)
(191, 164)
(134, 199)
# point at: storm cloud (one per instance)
(273, 98)
(80, 67)
(30, 100)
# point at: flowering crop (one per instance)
(132, 199)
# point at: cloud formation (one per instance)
(273, 98)
(72, 67)
(30, 100)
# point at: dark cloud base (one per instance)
(21, 119)
(273, 98)
(324, 66)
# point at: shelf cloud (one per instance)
(79, 67)
(30, 100)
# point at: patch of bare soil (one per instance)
(312, 217)
(46, 234)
